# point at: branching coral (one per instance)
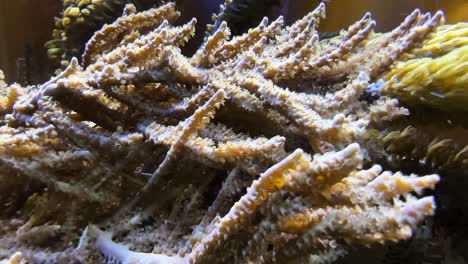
(432, 81)
(305, 209)
(240, 14)
(437, 74)
(80, 19)
(138, 135)
(301, 202)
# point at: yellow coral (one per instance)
(439, 80)
(444, 40)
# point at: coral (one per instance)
(206, 158)
(80, 19)
(241, 15)
(437, 153)
(17, 258)
(431, 80)
(9, 94)
(436, 73)
(446, 39)
(304, 208)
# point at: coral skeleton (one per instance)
(253, 150)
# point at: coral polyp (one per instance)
(253, 150)
(435, 74)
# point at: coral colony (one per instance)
(258, 148)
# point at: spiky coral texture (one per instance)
(79, 20)
(241, 14)
(128, 135)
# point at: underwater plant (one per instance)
(253, 150)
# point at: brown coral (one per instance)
(135, 133)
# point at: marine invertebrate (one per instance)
(17, 258)
(295, 232)
(430, 79)
(242, 15)
(436, 73)
(297, 224)
(418, 146)
(106, 137)
(80, 19)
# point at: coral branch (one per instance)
(134, 139)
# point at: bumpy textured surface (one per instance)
(206, 159)
(79, 20)
(436, 73)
